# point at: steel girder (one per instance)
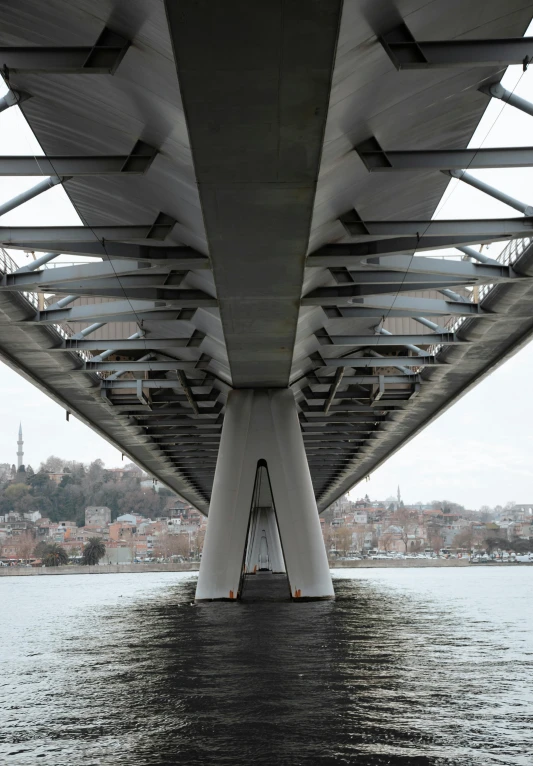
(406, 52)
(479, 228)
(409, 265)
(31, 237)
(389, 340)
(123, 345)
(177, 256)
(377, 159)
(101, 58)
(351, 253)
(122, 311)
(137, 161)
(409, 306)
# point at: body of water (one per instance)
(416, 666)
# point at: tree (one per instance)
(93, 551)
(55, 555)
(464, 539)
(344, 540)
(200, 537)
(41, 549)
(52, 464)
(387, 541)
(406, 522)
(485, 513)
(25, 544)
(500, 543)
(5, 473)
(435, 539)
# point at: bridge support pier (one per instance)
(263, 548)
(261, 432)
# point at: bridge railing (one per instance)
(508, 257)
(9, 266)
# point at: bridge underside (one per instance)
(256, 184)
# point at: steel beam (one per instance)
(346, 295)
(368, 415)
(402, 306)
(353, 420)
(183, 432)
(377, 159)
(119, 345)
(177, 256)
(12, 98)
(159, 384)
(44, 236)
(415, 276)
(351, 254)
(334, 388)
(101, 58)
(137, 336)
(370, 380)
(348, 438)
(471, 180)
(393, 340)
(115, 311)
(477, 256)
(148, 366)
(25, 196)
(384, 361)
(36, 264)
(91, 274)
(131, 287)
(488, 269)
(406, 52)
(496, 90)
(482, 228)
(137, 162)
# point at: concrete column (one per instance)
(261, 427)
(263, 539)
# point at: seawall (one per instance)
(398, 563)
(98, 569)
(194, 567)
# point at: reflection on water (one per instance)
(429, 667)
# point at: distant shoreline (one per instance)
(194, 567)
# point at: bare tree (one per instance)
(200, 537)
(344, 540)
(25, 543)
(52, 464)
(5, 472)
(167, 545)
(435, 539)
(406, 522)
(387, 541)
(464, 539)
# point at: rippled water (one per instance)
(405, 667)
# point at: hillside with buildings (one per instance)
(67, 503)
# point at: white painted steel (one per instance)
(262, 425)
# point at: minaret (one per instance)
(20, 445)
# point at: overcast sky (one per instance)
(477, 453)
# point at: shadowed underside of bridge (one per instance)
(256, 184)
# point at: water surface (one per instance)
(430, 667)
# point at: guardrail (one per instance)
(8, 266)
(508, 257)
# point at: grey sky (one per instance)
(478, 452)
